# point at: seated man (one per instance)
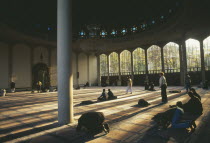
(92, 123)
(111, 95)
(176, 120)
(194, 105)
(205, 85)
(86, 85)
(152, 86)
(195, 93)
(103, 96)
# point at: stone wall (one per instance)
(4, 65)
(21, 66)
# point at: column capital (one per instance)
(161, 45)
(76, 52)
(12, 44)
(88, 54)
(119, 51)
(108, 53)
(97, 54)
(132, 49)
(200, 39)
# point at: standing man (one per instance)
(12, 86)
(163, 86)
(187, 82)
(129, 87)
(39, 84)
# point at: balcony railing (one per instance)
(194, 69)
(154, 71)
(139, 72)
(172, 70)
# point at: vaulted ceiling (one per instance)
(190, 20)
(40, 14)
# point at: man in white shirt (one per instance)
(163, 86)
(129, 87)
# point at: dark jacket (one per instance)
(111, 96)
(193, 106)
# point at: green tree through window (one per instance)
(171, 57)
(125, 62)
(206, 47)
(139, 61)
(113, 64)
(193, 54)
(154, 59)
(103, 64)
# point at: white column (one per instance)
(146, 62)
(98, 70)
(181, 64)
(49, 57)
(88, 69)
(132, 75)
(10, 67)
(32, 64)
(50, 63)
(184, 58)
(64, 52)
(108, 66)
(108, 69)
(119, 66)
(202, 62)
(162, 60)
(77, 68)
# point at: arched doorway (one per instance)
(40, 72)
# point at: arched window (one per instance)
(206, 47)
(139, 61)
(125, 62)
(103, 65)
(154, 59)
(193, 55)
(113, 63)
(171, 57)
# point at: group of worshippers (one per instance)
(179, 115)
(193, 108)
(183, 115)
(149, 86)
(106, 96)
